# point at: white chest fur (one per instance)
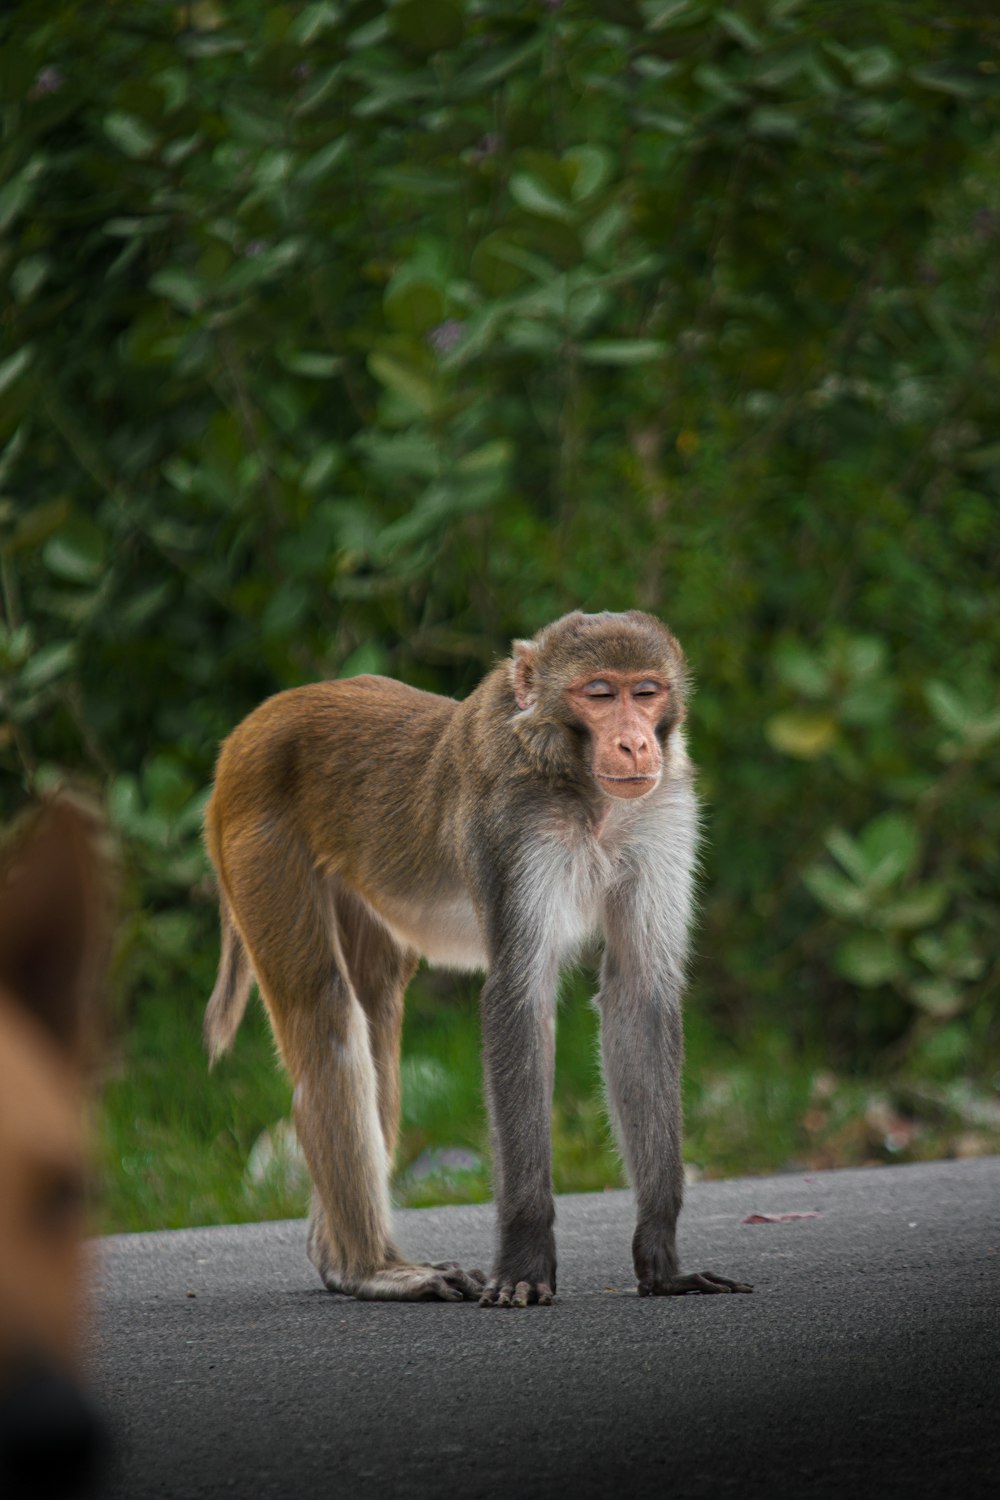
(565, 881)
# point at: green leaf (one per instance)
(491, 456)
(667, 15)
(869, 959)
(14, 198)
(946, 80)
(952, 952)
(413, 302)
(322, 466)
(179, 287)
(501, 265)
(251, 125)
(848, 854)
(498, 63)
(948, 707)
(873, 66)
(802, 669)
(129, 134)
(915, 908)
(414, 387)
(623, 351)
(76, 552)
(368, 657)
(539, 198)
(313, 20)
(124, 806)
(740, 30)
(591, 167)
(47, 664)
(285, 609)
(872, 702)
(38, 524)
(839, 896)
(29, 275)
(938, 997)
(773, 124)
(312, 364)
(171, 933)
(323, 161)
(167, 785)
(12, 368)
(802, 734)
(866, 655)
(891, 845)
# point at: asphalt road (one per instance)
(866, 1363)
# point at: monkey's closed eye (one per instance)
(650, 689)
(598, 689)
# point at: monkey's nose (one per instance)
(632, 744)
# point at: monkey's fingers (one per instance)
(704, 1282)
(523, 1294)
(452, 1265)
(469, 1283)
(531, 1291)
(441, 1289)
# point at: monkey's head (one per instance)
(598, 696)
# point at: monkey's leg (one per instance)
(643, 1048)
(380, 970)
(518, 1063)
(286, 912)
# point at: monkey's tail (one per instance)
(224, 1011)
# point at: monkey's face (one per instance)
(598, 697)
(41, 1199)
(622, 712)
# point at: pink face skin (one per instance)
(621, 710)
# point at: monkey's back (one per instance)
(316, 763)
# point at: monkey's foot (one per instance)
(705, 1282)
(403, 1282)
(501, 1293)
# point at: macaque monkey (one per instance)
(56, 892)
(360, 825)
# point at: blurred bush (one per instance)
(341, 337)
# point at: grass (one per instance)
(178, 1146)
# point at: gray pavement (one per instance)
(866, 1363)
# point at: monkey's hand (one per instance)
(655, 1259)
(510, 1293)
(402, 1281)
(705, 1282)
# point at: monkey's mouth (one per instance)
(628, 781)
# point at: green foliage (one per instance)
(340, 337)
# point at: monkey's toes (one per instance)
(517, 1294)
(704, 1282)
(469, 1283)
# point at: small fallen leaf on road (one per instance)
(778, 1218)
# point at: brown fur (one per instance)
(357, 824)
(54, 928)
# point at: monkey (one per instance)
(357, 826)
(57, 891)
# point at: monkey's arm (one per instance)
(642, 1045)
(518, 1022)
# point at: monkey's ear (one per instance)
(525, 675)
(56, 892)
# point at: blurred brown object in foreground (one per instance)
(55, 924)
